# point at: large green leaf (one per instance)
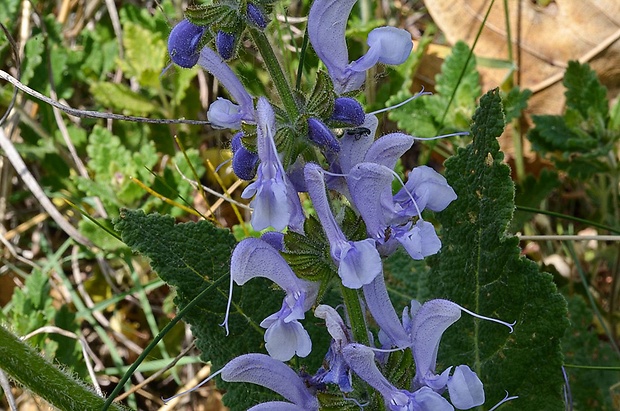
(480, 268)
(189, 257)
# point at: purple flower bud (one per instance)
(183, 42)
(244, 161)
(256, 16)
(321, 135)
(348, 110)
(225, 44)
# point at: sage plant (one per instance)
(324, 147)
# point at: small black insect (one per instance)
(358, 132)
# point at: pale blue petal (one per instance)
(432, 319)
(283, 340)
(370, 185)
(380, 306)
(360, 263)
(388, 149)
(426, 399)
(213, 63)
(361, 359)
(223, 113)
(420, 240)
(354, 146)
(334, 323)
(327, 22)
(276, 201)
(270, 373)
(316, 189)
(388, 45)
(279, 406)
(274, 239)
(429, 189)
(465, 388)
(271, 206)
(254, 257)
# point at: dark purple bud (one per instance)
(256, 16)
(183, 43)
(244, 161)
(225, 44)
(321, 135)
(348, 110)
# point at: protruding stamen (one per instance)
(230, 291)
(421, 93)
(495, 320)
(506, 399)
(458, 133)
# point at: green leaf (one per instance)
(515, 102)
(321, 102)
(113, 164)
(584, 92)
(552, 133)
(308, 255)
(583, 347)
(189, 257)
(119, 97)
(33, 56)
(145, 54)
(480, 268)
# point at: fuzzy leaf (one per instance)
(480, 268)
(584, 92)
(582, 346)
(145, 54)
(515, 102)
(189, 257)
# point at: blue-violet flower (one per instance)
(285, 336)
(275, 202)
(358, 261)
(222, 115)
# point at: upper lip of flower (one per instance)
(327, 23)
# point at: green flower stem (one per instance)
(275, 70)
(356, 315)
(29, 368)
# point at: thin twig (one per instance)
(93, 114)
(86, 351)
(36, 190)
(560, 237)
(6, 387)
(139, 386)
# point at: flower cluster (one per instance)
(271, 149)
